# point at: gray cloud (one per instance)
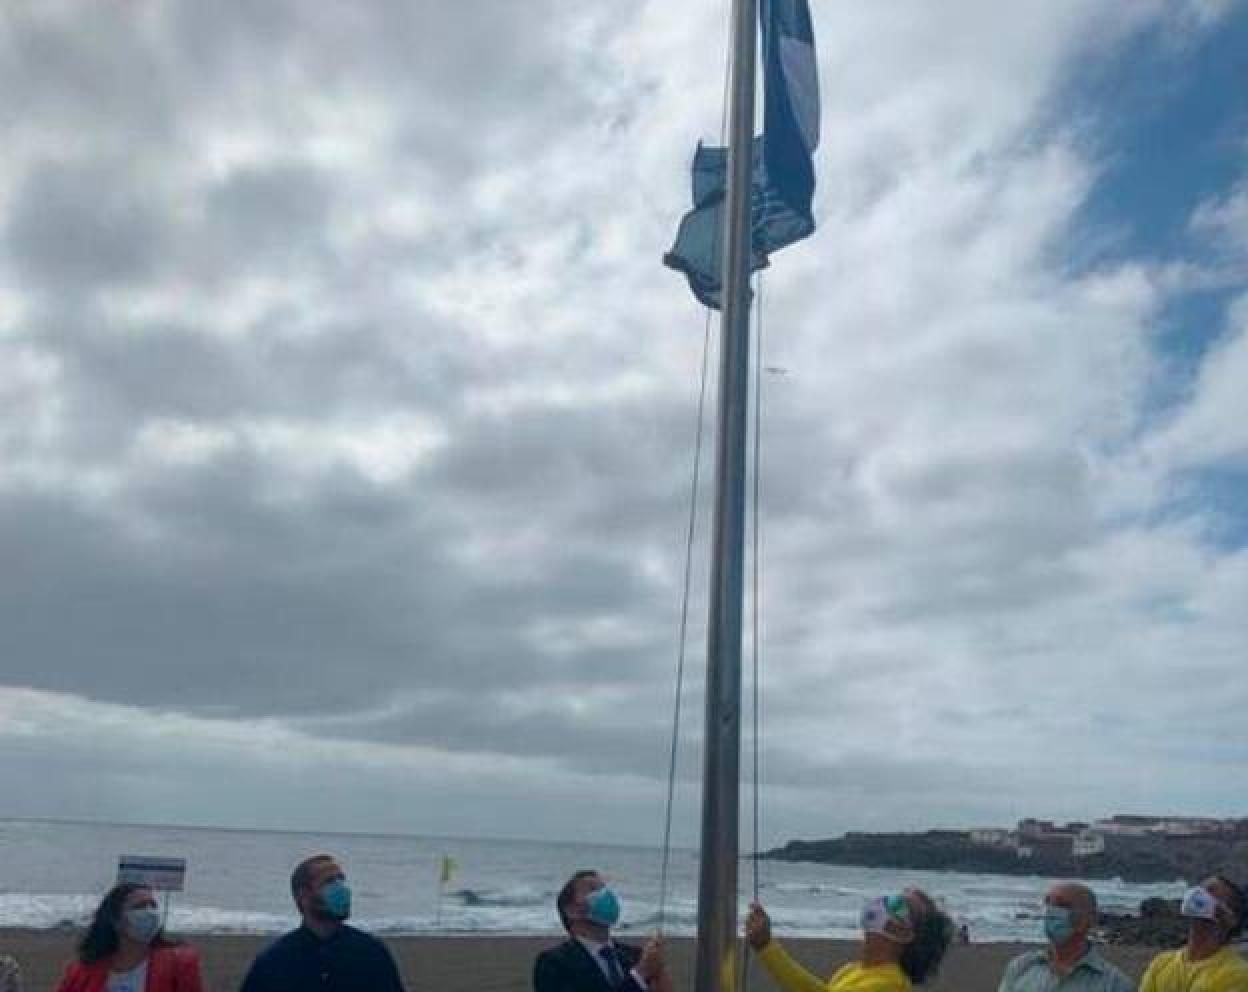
(82, 226)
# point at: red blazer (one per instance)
(169, 969)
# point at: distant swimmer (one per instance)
(324, 952)
(590, 960)
(905, 937)
(1069, 961)
(125, 949)
(1216, 911)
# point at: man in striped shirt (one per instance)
(1070, 962)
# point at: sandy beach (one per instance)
(502, 964)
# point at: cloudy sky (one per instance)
(347, 415)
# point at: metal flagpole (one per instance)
(716, 968)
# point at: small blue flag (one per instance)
(784, 173)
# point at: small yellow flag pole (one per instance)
(445, 872)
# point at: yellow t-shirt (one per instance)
(1172, 971)
(853, 977)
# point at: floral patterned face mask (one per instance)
(889, 916)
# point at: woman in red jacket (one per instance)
(125, 950)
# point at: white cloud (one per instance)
(355, 419)
(1225, 221)
(1213, 425)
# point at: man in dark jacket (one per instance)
(589, 960)
(324, 953)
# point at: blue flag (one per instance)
(784, 173)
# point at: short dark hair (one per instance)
(1239, 905)
(933, 933)
(303, 872)
(102, 939)
(564, 899)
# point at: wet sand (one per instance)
(503, 964)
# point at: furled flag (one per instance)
(784, 173)
(447, 869)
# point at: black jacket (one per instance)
(349, 961)
(571, 968)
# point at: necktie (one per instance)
(615, 973)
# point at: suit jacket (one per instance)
(571, 968)
(169, 969)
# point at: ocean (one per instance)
(237, 882)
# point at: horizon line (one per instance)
(386, 834)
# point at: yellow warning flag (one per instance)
(448, 869)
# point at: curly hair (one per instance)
(1239, 905)
(102, 938)
(933, 933)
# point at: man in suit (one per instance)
(589, 960)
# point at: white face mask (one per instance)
(1201, 904)
(888, 916)
(141, 924)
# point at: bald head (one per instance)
(1079, 899)
(1075, 896)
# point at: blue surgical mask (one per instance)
(141, 924)
(602, 906)
(1059, 924)
(335, 896)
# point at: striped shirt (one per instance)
(1033, 972)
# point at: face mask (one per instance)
(1059, 924)
(889, 916)
(142, 924)
(335, 897)
(602, 906)
(1200, 904)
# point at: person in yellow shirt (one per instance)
(1216, 910)
(904, 938)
